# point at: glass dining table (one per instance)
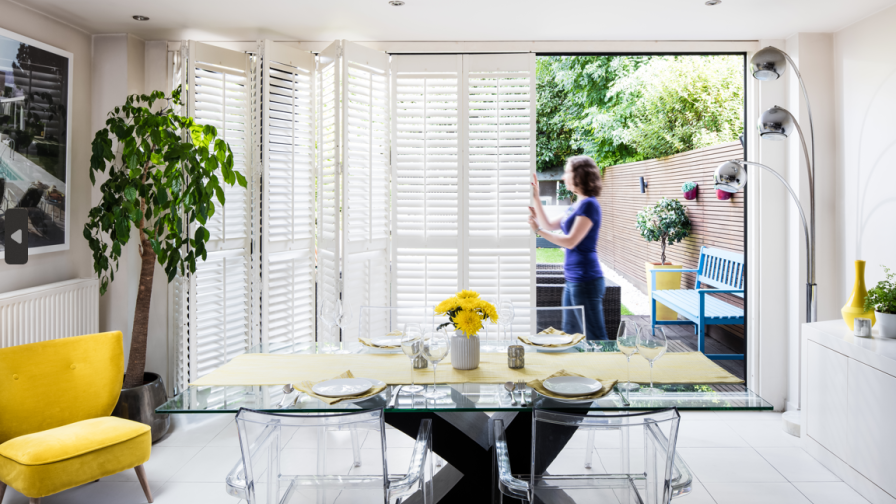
(462, 417)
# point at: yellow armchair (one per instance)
(55, 430)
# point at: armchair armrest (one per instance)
(421, 455)
(507, 484)
(681, 477)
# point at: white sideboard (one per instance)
(849, 407)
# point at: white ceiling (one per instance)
(458, 20)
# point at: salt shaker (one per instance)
(862, 327)
(516, 357)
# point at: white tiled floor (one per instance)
(735, 457)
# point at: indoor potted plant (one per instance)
(465, 312)
(690, 190)
(882, 299)
(666, 222)
(164, 175)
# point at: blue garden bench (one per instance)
(718, 268)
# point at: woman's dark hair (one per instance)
(585, 175)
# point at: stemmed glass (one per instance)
(505, 318)
(486, 347)
(326, 313)
(412, 346)
(344, 318)
(627, 342)
(435, 348)
(652, 345)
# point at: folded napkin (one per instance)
(369, 342)
(305, 387)
(576, 338)
(538, 386)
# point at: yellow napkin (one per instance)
(306, 386)
(369, 342)
(538, 385)
(576, 338)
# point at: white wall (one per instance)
(75, 262)
(864, 78)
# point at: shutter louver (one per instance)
(218, 300)
(286, 134)
(426, 180)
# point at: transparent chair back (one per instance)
(529, 320)
(635, 460)
(304, 458)
(377, 321)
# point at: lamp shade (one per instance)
(775, 124)
(730, 176)
(768, 64)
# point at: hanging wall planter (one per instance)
(690, 190)
(723, 195)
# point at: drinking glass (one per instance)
(627, 342)
(505, 318)
(412, 346)
(652, 345)
(344, 318)
(326, 314)
(485, 346)
(435, 348)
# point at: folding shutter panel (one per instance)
(427, 215)
(366, 180)
(500, 160)
(218, 299)
(178, 289)
(329, 119)
(285, 78)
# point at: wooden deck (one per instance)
(682, 339)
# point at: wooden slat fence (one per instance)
(714, 223)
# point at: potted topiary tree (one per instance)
(666, 222)
(163, 176)
(882, 299)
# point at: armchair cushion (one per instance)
(47, 462)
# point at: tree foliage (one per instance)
(622, 109)
(666, 222)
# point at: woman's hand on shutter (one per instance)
(536, 195)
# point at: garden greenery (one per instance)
(666, 222)
(882, 298)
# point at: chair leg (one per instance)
(141, 475)
(356, 448)
(32, 500)
(589, 449)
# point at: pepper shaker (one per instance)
(516, 357)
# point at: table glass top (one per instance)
(457, 397)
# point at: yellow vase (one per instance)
(855, 307)
(664, 281)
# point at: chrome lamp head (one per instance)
(730, 176)
(775, 124)
(768, 64)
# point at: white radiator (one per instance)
(57, 310)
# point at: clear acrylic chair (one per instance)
(637, 463)
(288, 458)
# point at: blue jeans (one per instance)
(589, 294)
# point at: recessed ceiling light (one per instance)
(396, 3)
(141, 18)
(713, 2)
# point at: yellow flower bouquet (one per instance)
(466, 311)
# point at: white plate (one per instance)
(543, 349)
(551, 339)
(571, 386)
(386, 341)
(342, 387)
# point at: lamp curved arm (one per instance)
(799, 78)
(810, 255)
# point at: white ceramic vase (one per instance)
(464, 351)
(886, 324)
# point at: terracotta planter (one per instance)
(723, 195)
(691, 195)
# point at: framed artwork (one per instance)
(35, 139)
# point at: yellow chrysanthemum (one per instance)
(447, 305)
(469, 304)
(466, 294)
(468, 322)
(488, 310)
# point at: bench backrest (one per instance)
(721, 269)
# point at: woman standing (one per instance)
(581, 226)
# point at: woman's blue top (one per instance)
(581, 264)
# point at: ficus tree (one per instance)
(164, 173)
(666, 222)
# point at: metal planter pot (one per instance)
(139, 404)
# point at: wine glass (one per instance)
(505, 318)
(652, 345)
(412, 346)
(486, 347)
(435, 348)
(344, 318)
(627, 342)
(326, 314)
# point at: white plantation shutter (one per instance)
(427, 213)
(285, 135)
(218, 308)
(366, 180)
(499, 108)
(329, 119)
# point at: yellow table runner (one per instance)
(395, 369)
